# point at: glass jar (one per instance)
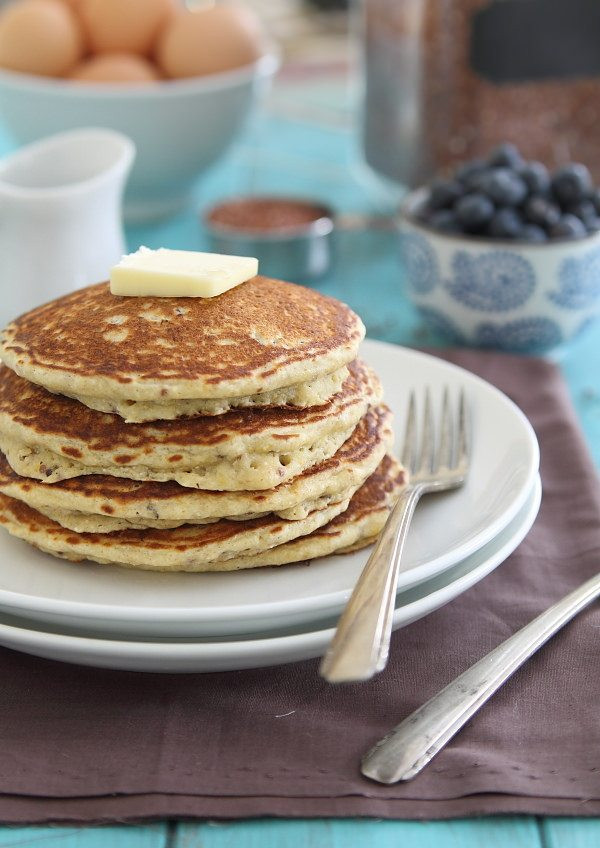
(446, 80)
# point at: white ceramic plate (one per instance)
(446, 529)
(203, 656)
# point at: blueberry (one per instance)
(533, 233)
(474, 211)
(568, 227)
(593, 225)
(596, 199)
(536, 177)
(480, 180)
(541, 211)
(469, 174)
(505, 186)
(505, 156)
(443, 193)
(506, 223)
(584, 210)
(571, 184)
(444, 220)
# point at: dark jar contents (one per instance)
(260, 215)
(446, 80)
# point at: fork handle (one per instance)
(414, 742)
(361, 642)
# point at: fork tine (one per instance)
(409, 448)
(427, 455)
(463, 442)
(445, 454)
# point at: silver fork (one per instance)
(360, 646)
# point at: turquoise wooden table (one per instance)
(292, 156)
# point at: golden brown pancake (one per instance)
(101, 503)
(223, 546)
(313, 392)
(255, 338)
(51, 437)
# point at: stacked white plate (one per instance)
(116, 618)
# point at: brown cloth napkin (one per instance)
(86, 745)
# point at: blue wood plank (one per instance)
(503, 832)
(571, 833)
(580, 364)
(124, 836)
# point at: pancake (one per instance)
(111, 352)
(103, 504)
(224, 546)
(50, 437)
(312, 393)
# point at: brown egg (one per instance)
(130, 26)
(209, 40)
(40, 37)
(116, 67)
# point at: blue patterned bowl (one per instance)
(510, 295)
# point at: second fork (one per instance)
(360, 646)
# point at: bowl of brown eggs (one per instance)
(180, 82)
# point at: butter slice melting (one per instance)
(179, 273)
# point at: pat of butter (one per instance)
(179, 273)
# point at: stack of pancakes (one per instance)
(192, 434)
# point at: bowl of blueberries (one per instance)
(503, 253)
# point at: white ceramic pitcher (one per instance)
(60, 215)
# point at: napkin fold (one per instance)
(86, 745)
